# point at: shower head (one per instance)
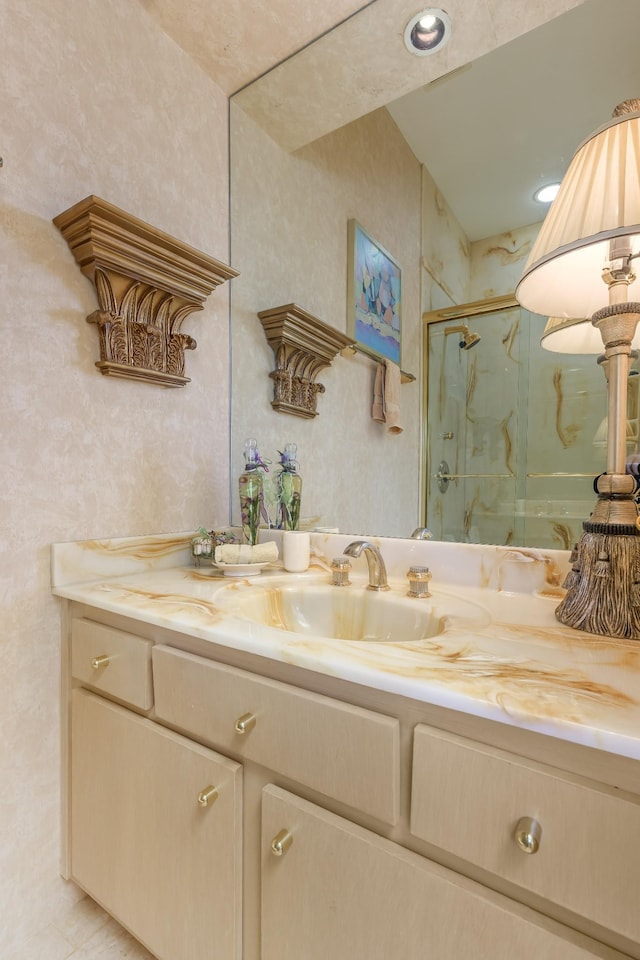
(467, 340)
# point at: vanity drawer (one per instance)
(112, 662)
(342, 751)
(468, 799)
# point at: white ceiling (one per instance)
(499, 111)
(494, 132)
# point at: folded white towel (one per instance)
(244, 553)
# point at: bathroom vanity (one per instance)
(234, 789)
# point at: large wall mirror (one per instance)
(443, 178)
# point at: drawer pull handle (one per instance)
(98, 662)
(281, 843)
(208, 796)
(245, 723)
(528, 834)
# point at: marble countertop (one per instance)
(513, 664)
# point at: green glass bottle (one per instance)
(289, 489)
(251, 490)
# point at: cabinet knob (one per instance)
(281, 843)
(208, 796)
(245, 723)
(528, 834)
(98, 662)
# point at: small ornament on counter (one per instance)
(204, 544)
(296, 550)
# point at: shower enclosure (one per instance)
(515, 435)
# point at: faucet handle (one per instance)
(419, 578)
(422, 533)
(340, 568)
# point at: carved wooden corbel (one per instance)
(302, 346)
(146, 282)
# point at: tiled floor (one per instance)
(83, 932)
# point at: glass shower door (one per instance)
(474, 428)
(515, 434)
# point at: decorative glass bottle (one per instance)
(289, 488)
(250, 485)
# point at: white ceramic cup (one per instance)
(296, 550)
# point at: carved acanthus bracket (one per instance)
(146, 282)
(303, 346)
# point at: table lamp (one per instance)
(581, 266)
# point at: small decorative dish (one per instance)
(241, 569)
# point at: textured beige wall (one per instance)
(235, 41)
(95, 99)
(289, 241)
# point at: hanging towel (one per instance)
(392, 416)
(386, 396)
(377, 410)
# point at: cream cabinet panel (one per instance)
(341, 892)
(167, 866)
(468, 799)
(112, 662)
(338, 749)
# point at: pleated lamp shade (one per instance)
(576, 336)
(599, 199)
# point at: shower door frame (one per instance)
(461, 312)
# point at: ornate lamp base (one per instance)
(603, 586)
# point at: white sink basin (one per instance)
(348, 613)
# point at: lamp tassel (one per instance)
(602, 568)
(572, 578)
(603, 598)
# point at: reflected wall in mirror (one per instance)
(517, 433)
(289, 214)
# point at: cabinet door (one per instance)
(143, 843)
(342, 892)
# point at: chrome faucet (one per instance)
(377, 569)
(422, 533)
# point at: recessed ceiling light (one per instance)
(547, 193)
(427, 31)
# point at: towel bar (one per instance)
(350, 351)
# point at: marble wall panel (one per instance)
(446, 251)
(497, 262)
